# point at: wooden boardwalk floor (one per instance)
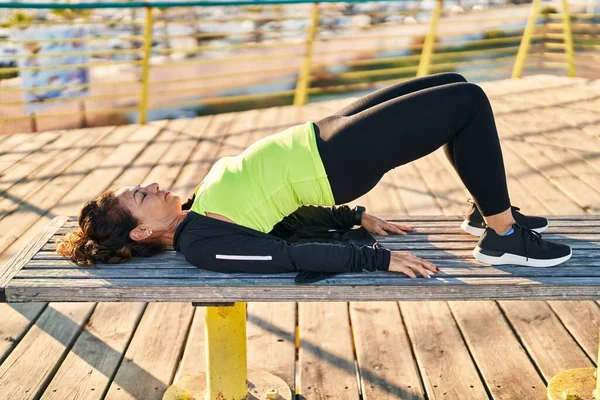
(550, 131)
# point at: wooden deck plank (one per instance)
(8, 142)
(64, 152)
(540, 187)
(29, 148)
(27, 370)
(326, 358)
(151, 359)
(444, 183)
(193, 361)
(271, 333)
(383, 351)
(413, 190)
(544, 337)
(582, 320)
(444, 361)
(501, 360)
(89, 367)
(548, 162)
(16, 321)
(187, 180)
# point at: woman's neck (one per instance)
(167, 238)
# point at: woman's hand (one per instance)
(408, 264)
(381, 227)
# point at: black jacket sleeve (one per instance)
(337, 217)
(245, 253)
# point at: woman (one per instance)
(232, 222)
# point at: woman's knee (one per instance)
(452, 76)
(472, 93)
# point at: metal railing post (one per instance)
(226, 361)
(567, 31)
(526, 40)
(303, 81)
(429, 43)
(146, 66)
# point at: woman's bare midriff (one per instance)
(219, 216)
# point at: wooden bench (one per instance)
(38, 274)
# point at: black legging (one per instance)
(406, 121)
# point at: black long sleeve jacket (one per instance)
(221, 246)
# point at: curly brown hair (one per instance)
(103, 234)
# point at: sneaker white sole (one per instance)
(479, 231)
(514, 259)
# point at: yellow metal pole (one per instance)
(146, 66)
(568, 38)
(226, 364)
(526, 40)
(304, 76)
(429, 43)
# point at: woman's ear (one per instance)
(140, 233)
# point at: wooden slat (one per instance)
(271, 333)
(27, 370)
(151, 359)
(383, 353)
(20, 259)
(446, 367)
(503, 364)
(358, 288)
(9, 142)
(89, 367)
(10, 159)
(29, 199)
(326, 358)
(194, 354)
(546, 339)
(582, 320)
(16, 321)
(62, 154)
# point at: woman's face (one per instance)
(155, 209)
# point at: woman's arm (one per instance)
(337, 217)
(242, 253)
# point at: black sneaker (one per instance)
(475, 225)
(523, 247)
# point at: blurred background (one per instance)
(70, 65)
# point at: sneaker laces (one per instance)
(528, 236)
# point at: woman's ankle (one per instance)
(500, 223)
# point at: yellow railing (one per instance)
(315, 59)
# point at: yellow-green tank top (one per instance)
(269, 180)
